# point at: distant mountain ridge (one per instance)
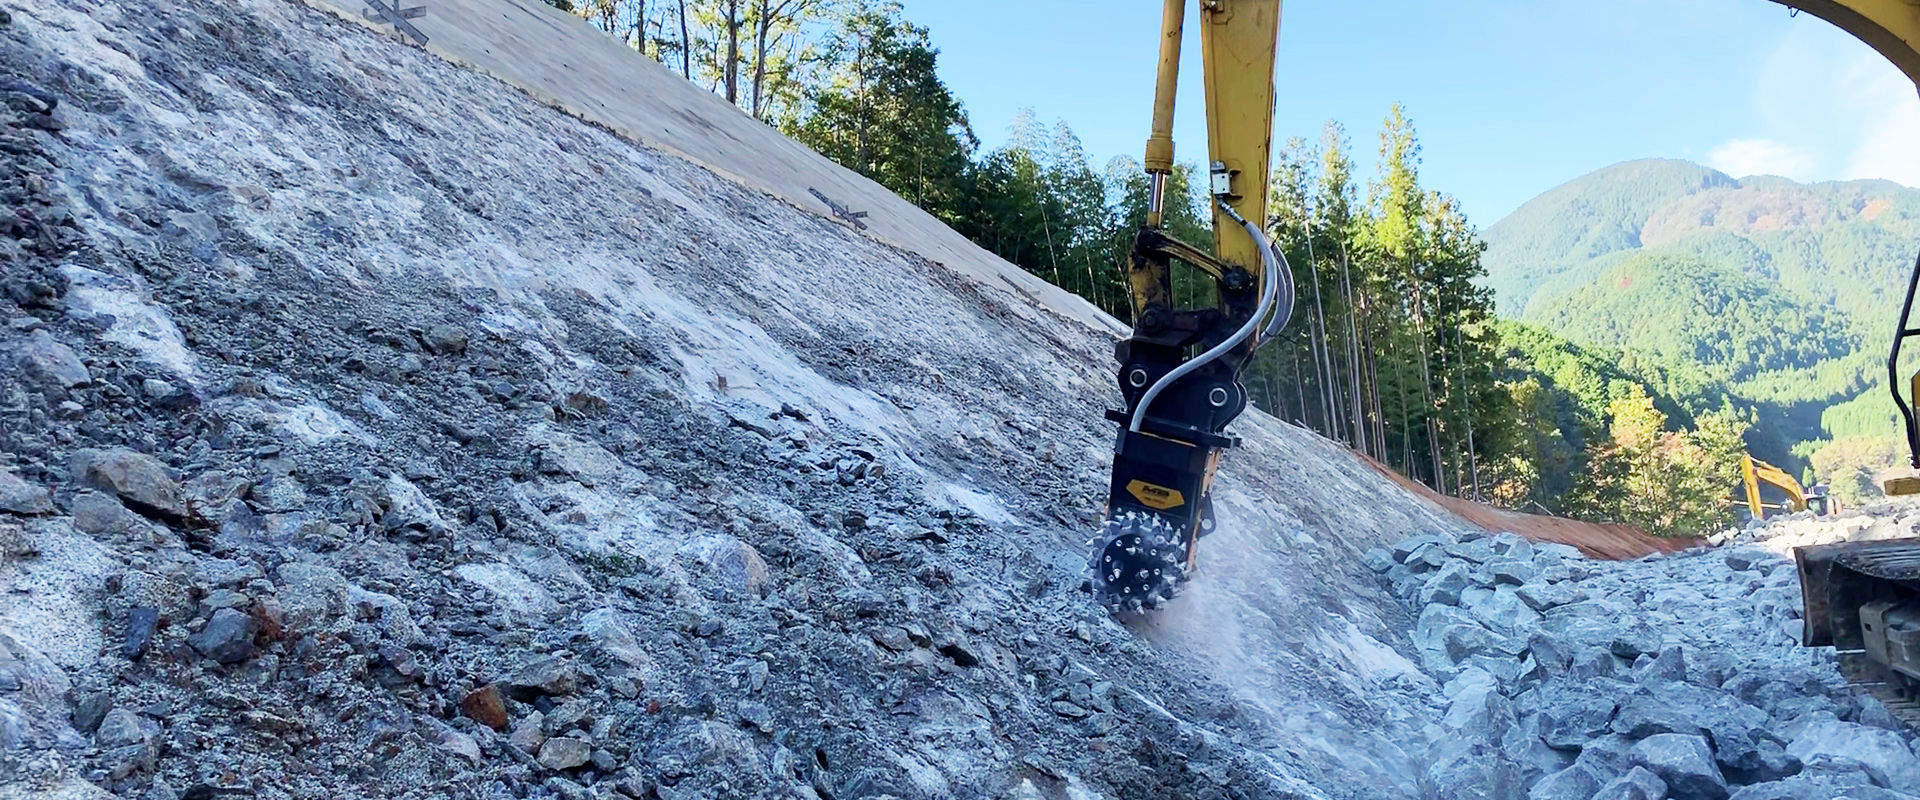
(1784, 292)
(1845, 230)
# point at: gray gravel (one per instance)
(1669, 677)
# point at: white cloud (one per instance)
(1743, 157)
(1889, 122)
(1829, 108)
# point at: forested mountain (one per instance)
(1581, 220)
(1784, 293)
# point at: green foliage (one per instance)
(883, 112)
(563, 5)
(1592, 216)
(1037, 202)
(1847, 466)
(1392, 349)
(1776, 296)
(1683, 311)
(1669, 483)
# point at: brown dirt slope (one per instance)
(1596, 539)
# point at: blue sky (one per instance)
(1510, 97)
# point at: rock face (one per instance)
(432, 438)
(400, 384)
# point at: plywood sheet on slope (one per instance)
(565, 62)
(1596, 539)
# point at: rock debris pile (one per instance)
(1892, 518)
(1668, 677)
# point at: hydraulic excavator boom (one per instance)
(1754, 472)
(1180, 370)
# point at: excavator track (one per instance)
(1863, 599)
(1867, 677)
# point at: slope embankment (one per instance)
(559, 60)
(373, 429)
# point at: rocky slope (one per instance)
(369, 429)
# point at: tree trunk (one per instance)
(761, 27)
(1355, 405)
(1466, 406)
(686, 44)
(732, 67)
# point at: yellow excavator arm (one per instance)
(1180, 369)
(1755, 472)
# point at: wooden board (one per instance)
(1596, 539)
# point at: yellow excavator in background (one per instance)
(1179, 371)
(1754, 472)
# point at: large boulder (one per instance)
(1808, 787)
(1572, 783)
(1478, 707)
(1477, 551)
(1879, 748)
(46, 362)
(1503, 610)
(1593, 622)
(1571, 718)
(738, 568)
(20, 497)
(1406, 548)
(1635, 640)
(1446, 585)
(1523, 746)
(1473, 771)
(1511, 571)
(227, 637)
(139, 480)
(1647, 713)
(1461, 641)
(1541, 596)
(1685, 762)
(33, 701)
(311, 596)
(1638, 784)
(1607, 756)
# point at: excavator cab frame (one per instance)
(1908, 484)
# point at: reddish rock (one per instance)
(485, 706)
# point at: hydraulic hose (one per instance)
(1274, 268)
(1283, 302)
